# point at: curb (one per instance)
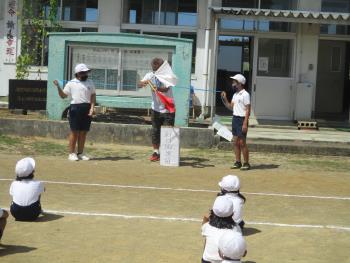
(135, 134)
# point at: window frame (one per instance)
(160, 16)
(119, 91)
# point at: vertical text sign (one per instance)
(10, 50)
(170, 146)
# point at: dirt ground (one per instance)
(121, 206)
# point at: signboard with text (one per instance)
(27, 94)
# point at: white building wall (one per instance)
(110, 15)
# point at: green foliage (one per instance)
(34, 30)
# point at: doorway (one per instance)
(333, 81)
(234, 56)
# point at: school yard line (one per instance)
(189, 190)
(184, 219)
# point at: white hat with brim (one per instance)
(239, 78)
(81, 68)
(230, 183)
(223, 207)
(232, 245)
(25, 167)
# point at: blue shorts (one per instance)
(237, 124)
(79, 120)
(26, 213)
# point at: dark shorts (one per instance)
(159, 119)
(79, 120)
(237, 124)
(26, 213)
(204, 261)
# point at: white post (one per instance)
(206, 58)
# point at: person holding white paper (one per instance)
(240, 104)
(161, 80)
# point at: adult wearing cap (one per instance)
(240, 104)
(219, 222)
(232, 247)
(82, 93)
(160, 114)
(26, 192)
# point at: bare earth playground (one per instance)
(119, 207)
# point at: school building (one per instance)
(295, 54)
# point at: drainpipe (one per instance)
(206, 58)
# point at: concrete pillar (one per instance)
(110, 16)
(307, 56)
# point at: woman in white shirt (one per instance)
(26, 192)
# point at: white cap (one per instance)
(230, 183)
(223, 207)
(81, 68)
(239, 78)
(232, 245)
(25, 167)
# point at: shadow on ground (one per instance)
(13, 249)
(249, 231)
(265, 166)
(47, 217)
(195, 162)
(112, 158)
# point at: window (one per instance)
(163, 12)
(114, 70)
(240, 3)
(268, 26)
(264, 4)
(340, 6)
(252, 25)
(235, 24)
(337, 6)
(334, 29)
(279, 4)
(336, 59)
(275, 57)
(79, 10)
(136, 63)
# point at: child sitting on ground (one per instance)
(26, 192)
(3, 219)
(219, 221)
(230, 186)
(232, 247)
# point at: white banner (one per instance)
(169, 146)
(10, 51)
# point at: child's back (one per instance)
(26, 192)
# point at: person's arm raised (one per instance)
(60, 91)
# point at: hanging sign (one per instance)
(10, 50)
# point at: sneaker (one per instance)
(236, 165)
(73, 157)
(246, 166)
(154, 157)
(83, 157)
